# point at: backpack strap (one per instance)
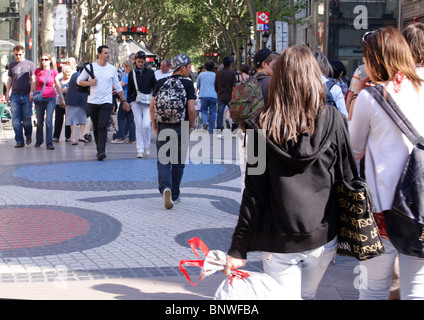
(394, 112)
(90, 72)
(329, 85)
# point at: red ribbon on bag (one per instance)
(238, 274)
(194, 242)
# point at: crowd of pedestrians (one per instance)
(289, 212)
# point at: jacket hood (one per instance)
(300, 155)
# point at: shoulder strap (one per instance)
(45, 81)
(135, 80)
(329, 85)
(90, 72)
(394, 112)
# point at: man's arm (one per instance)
(8, 86)
(191, 114)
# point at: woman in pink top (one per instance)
(47, 106)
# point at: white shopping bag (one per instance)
(240, 285)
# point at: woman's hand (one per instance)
(232, 264)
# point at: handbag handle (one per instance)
(392, 109)
(194, 242)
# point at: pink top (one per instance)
(49, 89)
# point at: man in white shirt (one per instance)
(165, 70)
(100, 98)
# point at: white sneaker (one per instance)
(178, 200)
(118, 141)
(139, 154)
(147, 152)
(167, 198)
(219, 136)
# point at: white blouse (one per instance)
(374, 135)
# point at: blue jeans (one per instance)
(172, 146)
(220, 115)
(208, 105)
(21, 116)
(129, 124)
(46, 107)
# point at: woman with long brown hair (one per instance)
(389, 63)
(289, 210)
(46, 74)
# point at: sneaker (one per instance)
(178, 200)
(55, 139)
(219, 136)
(167, 198)
(118, 141)
(147, 152)
(131, 141)
(139, 155)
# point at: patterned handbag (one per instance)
(358, 234)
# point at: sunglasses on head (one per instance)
(364, 37)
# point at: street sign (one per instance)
(262, 21)
(121, 29)
(139, 29)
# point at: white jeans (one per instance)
(376, 275)
(143, 125)
(300, 273)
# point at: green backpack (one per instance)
(246, 100)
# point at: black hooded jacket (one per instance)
(291, 207)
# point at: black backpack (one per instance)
(405, 222)
(90, 73)
(329, 99)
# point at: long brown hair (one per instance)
(386, 52)
(51, 61)
(296, 95)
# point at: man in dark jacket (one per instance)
(224, 83)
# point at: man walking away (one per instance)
(224, 83)
(170, 108)
(100, 98)
(21, 74)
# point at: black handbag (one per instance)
(358, 234)
(405, 221)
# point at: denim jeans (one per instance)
(21, 116)
(220, 115)
(100, 116)
(300, 273)
(208, 105)
(172, 144)
(376, 275)
(126, 121)
(46, 107)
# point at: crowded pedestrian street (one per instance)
(76, 228)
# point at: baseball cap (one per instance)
(180, 60)
(260, 56)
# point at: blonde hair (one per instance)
(129, 64)
(296, 96)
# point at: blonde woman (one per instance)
(289, 211)
(125, 116)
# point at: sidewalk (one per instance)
(72, 227)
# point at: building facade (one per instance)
(336, 27)
(18, 25)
